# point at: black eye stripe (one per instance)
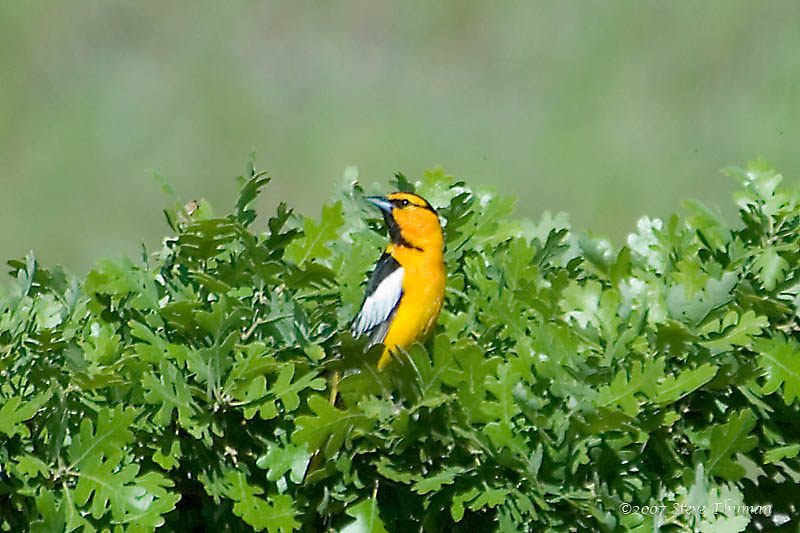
(405, 202)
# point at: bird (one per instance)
(405, 291)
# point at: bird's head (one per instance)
(411, 220)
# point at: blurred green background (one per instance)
(606, 109)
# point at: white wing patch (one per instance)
(379, 305)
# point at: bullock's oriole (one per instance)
(405, 291)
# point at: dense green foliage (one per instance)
(567, 384)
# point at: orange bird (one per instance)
(405, 291)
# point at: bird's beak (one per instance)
(381, 203)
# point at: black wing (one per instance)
(384, 291)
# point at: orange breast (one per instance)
(423, 294)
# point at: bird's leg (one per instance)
(334, 381)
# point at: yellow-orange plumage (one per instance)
(406, 290)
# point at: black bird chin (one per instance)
(394, 229)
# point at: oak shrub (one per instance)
(569, 386)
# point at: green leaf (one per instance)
(706, 507)
(254, 397)
(14, 411)
(690, 275)
(436, 186)
(155, 349)
(105, 483)
(280, 459)
(759, 175)
(778, 357)
(694, 308)
(250, 189)
(418, 371)
(113, 432)
(171, 458)
(771, 267)
(276, 513)
(287, 390)
(489, 497)
(470, 375)
(646, 245)
(53, 515)
(29, 467)
(147, 500)
(435, 481)
(401, 183)
(781, 452)
(257, 396)
(367, 518)
(250, 361)
(494, 209)
(48, 312)
(169, 391)
(735, 332)
(327, 424)
(278, 240)
(457, 505)
(120, 279)
(676, 387)
(582, 302)
(387, 470)
(729, 439)
(501, 429)
(623, 390)
(711, 227)
(312, 245)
